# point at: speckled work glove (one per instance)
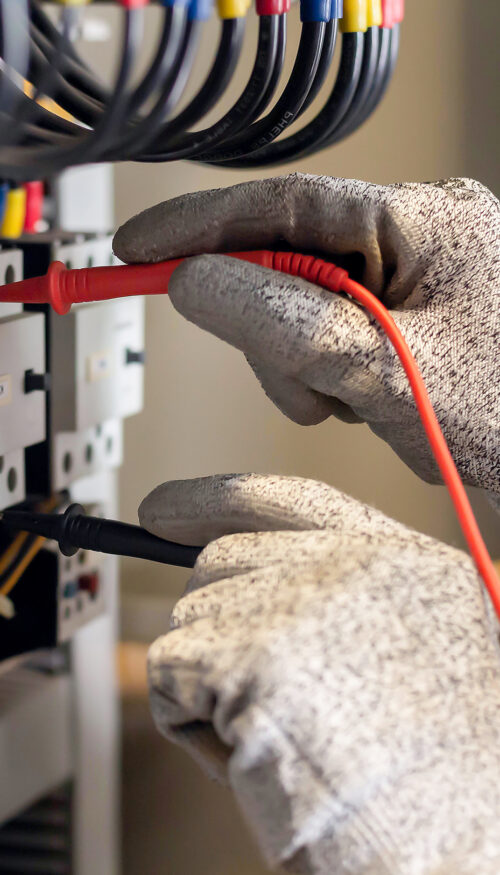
(431, 252)
(341, 669)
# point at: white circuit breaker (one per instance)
(22, 384)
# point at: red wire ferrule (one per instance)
(272, 7)
(133, 4)
(399, 11)
(34, 206)
(388, 19)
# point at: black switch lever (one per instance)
(135, 357)
(36, 382)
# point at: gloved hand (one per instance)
(342, 670)
(430, 252)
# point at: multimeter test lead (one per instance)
(61, 288)
(74, 530)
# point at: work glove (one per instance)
(341, 671)
(431, 252)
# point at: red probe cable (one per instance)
(61, 288)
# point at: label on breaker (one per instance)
(99, 366)
(5, 389)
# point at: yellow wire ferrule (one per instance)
(233, 8)
(355, 18)
(15, 214)
(74, 2)
(374, 13)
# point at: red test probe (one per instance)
(61, 288)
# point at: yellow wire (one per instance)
(11, 581)
(12, 551)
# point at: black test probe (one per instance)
(74, 531)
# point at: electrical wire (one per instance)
(178, 61)
(14, 51)
(266, 70)
(7, 587)
(217, 80)
(327, 120)
(287, 107)
(387, 58)
(23, 549)
(369, 68)
(19, 161)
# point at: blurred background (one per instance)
(205, 412)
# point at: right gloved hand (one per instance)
(431, 253)
(340, 669)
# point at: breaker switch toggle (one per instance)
(36, 382)
(135, 357)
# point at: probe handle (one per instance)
(73, 530)
(122, 539)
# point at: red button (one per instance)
(89, 583)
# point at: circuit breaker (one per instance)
(95, 357)
(23, 383)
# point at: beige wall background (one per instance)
(204, 411)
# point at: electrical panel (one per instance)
(66, 384)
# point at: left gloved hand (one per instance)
(342, 669)
(429, 252)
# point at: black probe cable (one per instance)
(267, 67)
(287, 107)
(74, 531)
(19, 163)
(329, 117)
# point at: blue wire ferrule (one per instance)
(4, 190)
(316, 10)
(200, 10)
(181, 3)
